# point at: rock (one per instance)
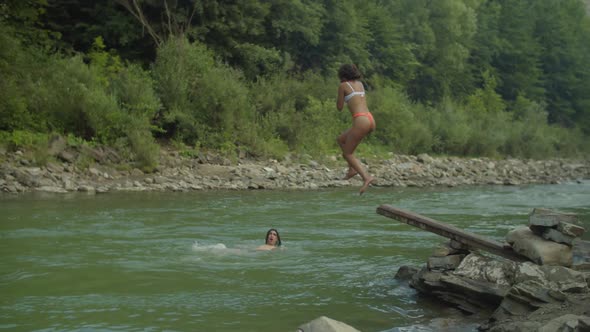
(102, 189)
(94, 172)
(446, 250)
(424, 158)
(482, 290)
(487, 269)
(564, 323)
(325, 324)
(563, 279)
(66, 156)
(570, 229)
(444, 263)
(539, 250)
(552, 277)
(425, 280)
(54, 167)
(549, 218)
(51, 189)
(57, 144)
(532, 292)
(406, 272)
(554, 235)
(458, 245)
(87, 189)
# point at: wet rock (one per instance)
(549, 218)
(488, 294)
(487, 269)
(557, 236)
(87, 189)
(325, 324)
(537, 249)
(567, 322)
(570, 229)
(444, 263)
(51, 189)
(406, 272)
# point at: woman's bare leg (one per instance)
(351, 139)
(350, 173)
(341, 141)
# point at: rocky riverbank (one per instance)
(99, 170)
(544, 286)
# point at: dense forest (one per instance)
(491, 78)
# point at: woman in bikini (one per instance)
(352, 92)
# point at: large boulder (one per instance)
(325, 324)
(539, 250)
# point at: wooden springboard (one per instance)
(451, 232)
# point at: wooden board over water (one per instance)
(451, 232)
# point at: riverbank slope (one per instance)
(103, 170)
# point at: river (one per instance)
(154, 261)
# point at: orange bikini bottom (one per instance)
(367, 114)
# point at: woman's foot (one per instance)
(350, 174)
(366, 184)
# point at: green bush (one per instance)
(19, 68)
(204, 103)
(450, 128)
(297, 115)
(20, 139)
(399, 122)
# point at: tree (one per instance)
(442, 32)
(563, 31)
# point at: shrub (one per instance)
(204, 103)
(399, 122)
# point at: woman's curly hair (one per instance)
(349, 72)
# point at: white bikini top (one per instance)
(353, 93)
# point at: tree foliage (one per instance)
(445, 76)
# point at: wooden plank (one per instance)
(449, 231)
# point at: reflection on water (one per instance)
(187, 261)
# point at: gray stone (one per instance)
(564, 279)
(532, 292)
(483, 291)
(426, 280)
(102, 190)
(563, 323)
(539, 250)
(66, 156)
(57, 144)
(442, 251)
(54, 167)
(51, 189)
(444, 263)
(570, 229)
(406, 272)
(87, 189)
(487, 269)
(458, 245)
(549, 218)
(554, 235)
(539, 230)
(325, 324)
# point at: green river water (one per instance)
(186, 261)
